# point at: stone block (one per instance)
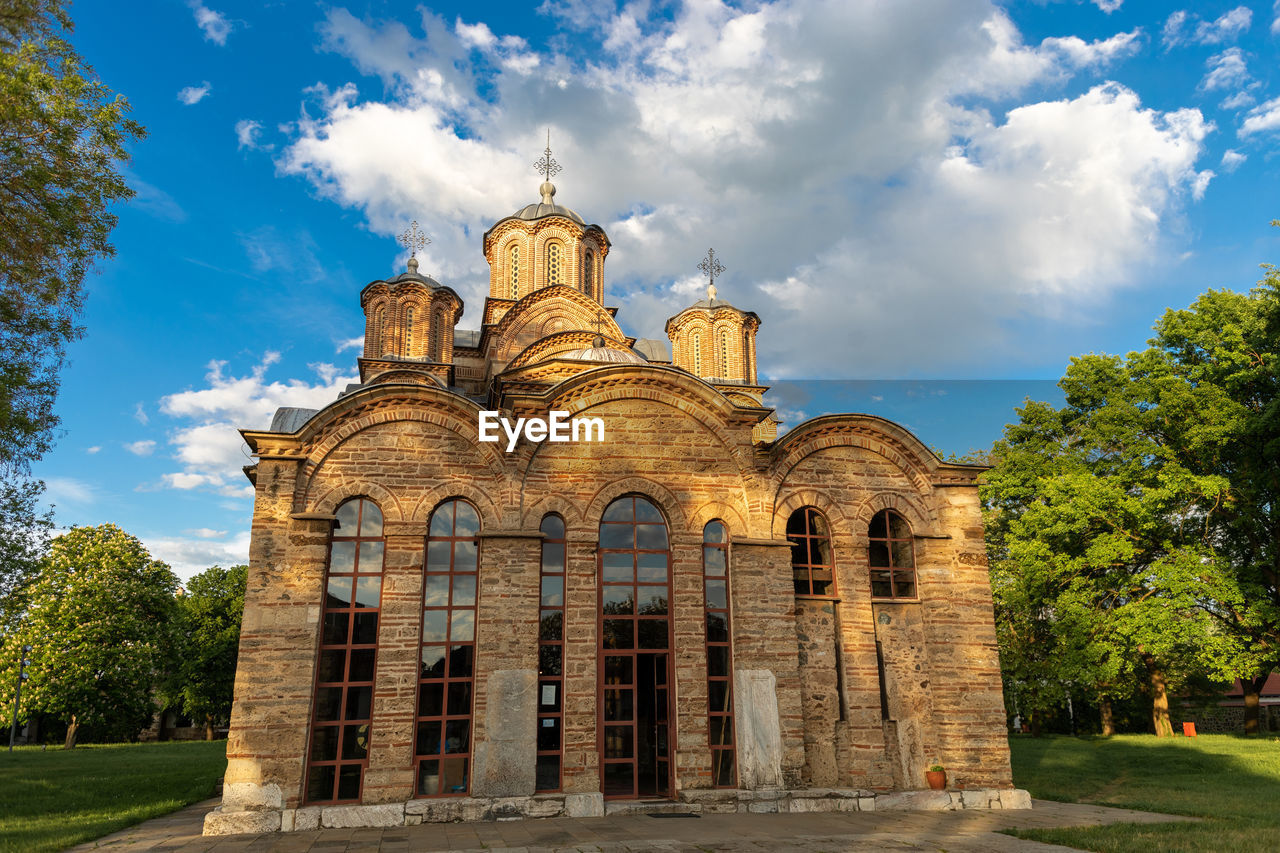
(1015, 799)
(768, 807)
(286, 820)
(505, 764)
(306, 819)
(980, 798)
(544, 806)
(250, 796)
(584, 805)
(758, 729)
(347, 817)
(435, 811)
(931, 801)
(218, 822)
(866, 804)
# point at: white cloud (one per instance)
(1108, 6)
(877, 132)
(1232, 160)
(1237, 101)
(248, 132)
(190, 95)
(190, 556)
(214, 25)
(92, 450)
(140, 414)
(1262, 118)
(350, 343)
(141, 448)
(205, 533)
(1181, 28)
(61, 491)
(209, 447)
(1275, 22)
(1227, 70)
(1201, 183)
(153, 200)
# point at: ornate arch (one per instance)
(660, 495)
(914, 511)
(574, 518)
(874, 434)
(733, 518)
(792, 501)
(328, 503)
(490, 516)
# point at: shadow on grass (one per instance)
(1232, 782)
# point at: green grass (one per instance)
(51, 800)
(1231, 782)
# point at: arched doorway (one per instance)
(635, 734)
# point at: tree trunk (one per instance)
(208, 727)
(1252, 690)
(1159, 697)
(1035, 723)
(72, 730)
(1108, 720)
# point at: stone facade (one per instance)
(838, 700)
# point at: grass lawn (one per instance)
(1232, 782)
(54, 799)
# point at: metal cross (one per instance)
(414, 239)
(547, 167)
(600, 323)
(711, 267)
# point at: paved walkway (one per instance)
(968, 831)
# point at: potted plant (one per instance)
(936, 776)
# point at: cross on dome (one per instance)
(548, 168)
(711, 266)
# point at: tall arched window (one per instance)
(746, 356)
(513, 271)
(635, 658)
(697, 354)
(812, 566)
(342, 711)
(715, 578)
(379, 332)
(442, 743)
(555, 263)
(724, 355)
(551, 656)
(891, 556)
(589, 273)
(408, 332)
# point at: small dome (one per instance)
(602, 353)
(536, 211)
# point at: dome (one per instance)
(599, 352)
(538, 210)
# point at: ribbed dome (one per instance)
(599, 352)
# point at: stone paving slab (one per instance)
(829, 832)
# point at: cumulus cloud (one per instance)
(209, 447)
(141, 448)
(1182, 28)
(1232, 160)
(350, 343)
(190, 95)
(188, 556)
(61, 491)
(1275, 21)
(1108, 6)
(1261, 118)
(214, 25)
(1227, 70)
(875, 170)
(92, 450)
(205, 533)
(248, 133)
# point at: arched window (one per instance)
(697, 354)
(589, 273)
(724, 355)
(379, 332)
(891, 556)
(555, 263)
(715, 578)
(341, 715)
(551, 656)
(746, 356)
(812, 567)
(408, 332)
(513, 271)
(635, 657)
(442, 743)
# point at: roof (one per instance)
(469, 338)
(290, 419)
(653, 349)
(599, 352)
(538, 210)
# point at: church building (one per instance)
(677, 611)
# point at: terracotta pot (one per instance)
(937, 779)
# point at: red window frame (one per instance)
(891, 557)
(720, 727)
(342, 706)
(550, 736)
(446, 684)
(812, 560)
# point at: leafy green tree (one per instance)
(1135, 532)
(63, 134)
(208, 630)
(24, 537)
(98, 618)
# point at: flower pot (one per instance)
(937, 779)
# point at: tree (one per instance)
(208, 630)
(98, 618)
(1136, 530)
(62, 136)
(24, 536)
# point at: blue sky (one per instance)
(904, 191)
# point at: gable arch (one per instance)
(490, 517)
(866, 432)
(819, 500)
(922, 521)
(666, 501)
(328, 503)
(574, 519)
(733, 518)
